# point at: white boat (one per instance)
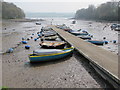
(51, 37)
(47, 51)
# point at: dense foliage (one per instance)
(106, 11)
(11, 11)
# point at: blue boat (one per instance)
(96, 42)
(54, 55)
(84, 37)
(79, 33)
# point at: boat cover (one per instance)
(47, 51)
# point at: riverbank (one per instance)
(22, 20)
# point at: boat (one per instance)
(73, 22)
(117, 27)
(84, 37)
(70, 31)
(113, 26)
(79, 33)
(50, 54)
(53, 44)
(47, 28)
(96, 42)
(66, 29)
(46, 34)
(38, 23)
(51, 37)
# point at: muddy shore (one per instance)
(17, 72)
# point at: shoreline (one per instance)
(22, 20)
(34, 20)
(102, 21)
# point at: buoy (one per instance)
(23, 38)
(10, 50)
(42, 40)
(114, 41)
(31, 37)
(106, 42)
(39, 35)
(91, 35)
(35, 39)
(27, 47)
(24, 42)
(28, 39)
(37, 32)
(104, 37)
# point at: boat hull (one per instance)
(96, 42)
(35, 58)
(74, 33)
(52, 38)
(53, 47)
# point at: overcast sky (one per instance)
(54, 5)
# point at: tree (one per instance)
(11, 11)
(106, 11)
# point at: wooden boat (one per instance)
(66, 29)
(96, 42)
(48, 54)
(53, 44)
(47, 34)
(51, 38)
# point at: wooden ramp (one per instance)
(105, 62)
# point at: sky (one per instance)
(63, 6)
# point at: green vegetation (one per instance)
(11, 11)
(107, 11)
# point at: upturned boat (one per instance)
(49, 54)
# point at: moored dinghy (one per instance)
(84, 37)
(51, 37)
(96, 42)
(50, 54)
(79, 33)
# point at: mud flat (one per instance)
(17, 72)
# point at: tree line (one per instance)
(11, 11)
(109, 11)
